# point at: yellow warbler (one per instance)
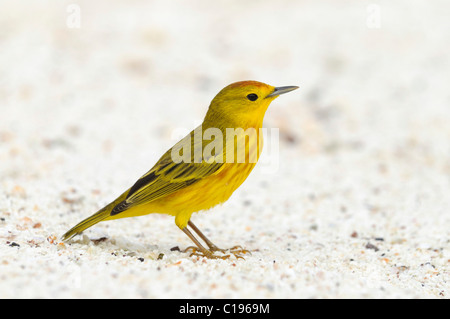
(200, 172)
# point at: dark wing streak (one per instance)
(145, 180)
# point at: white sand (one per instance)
(358, 207)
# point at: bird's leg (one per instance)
(236, 250)
(204, 252)
(210, 244)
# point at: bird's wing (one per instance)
(165, 178)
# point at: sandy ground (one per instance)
(354, 204)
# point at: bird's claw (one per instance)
(236, 251)
(207, 253)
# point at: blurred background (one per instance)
(82, 82)
(93, 92)
(127, 73)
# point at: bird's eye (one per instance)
(252, 97)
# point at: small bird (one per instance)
(199, 173)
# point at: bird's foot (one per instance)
(195, 251)
(237, 251)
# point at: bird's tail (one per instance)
(102, 214)
(88, 222)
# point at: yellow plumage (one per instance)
(199, 183)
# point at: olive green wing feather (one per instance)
(167, 177)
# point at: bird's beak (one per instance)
(281, 90)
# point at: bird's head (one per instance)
(243, 103)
